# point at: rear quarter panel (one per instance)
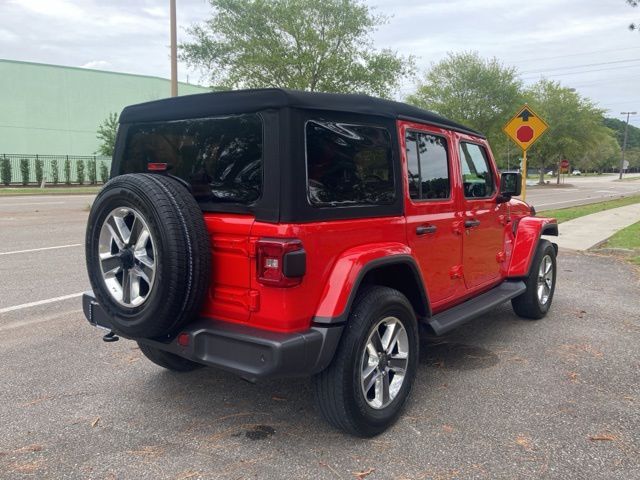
(336, 250)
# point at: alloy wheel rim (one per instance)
(127, 256)
(384, 363)
(545, 280)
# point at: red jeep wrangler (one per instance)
(276, 233)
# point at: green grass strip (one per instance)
(566, 214)
(8, 191)
(628, 238)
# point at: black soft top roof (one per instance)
(245, 101)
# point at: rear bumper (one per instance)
(249, 352)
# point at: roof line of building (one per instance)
(84, 69)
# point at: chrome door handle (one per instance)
(424, 229)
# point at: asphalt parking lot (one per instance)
(497, 398)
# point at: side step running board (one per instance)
(474, 307)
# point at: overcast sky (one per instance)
(583, 43)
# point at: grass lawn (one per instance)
(628, 238)
(565, 214)
(8, 191)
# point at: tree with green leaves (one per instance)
(39, 171)
(25, 170)
(67, 171)
(480, 93)
(55, 173)
(604, 154)
(80, 172)
(321, 46)
(5, 171)
(93, 174)
(107, 131)
(104, 172)
(618, 126)
(576, 125)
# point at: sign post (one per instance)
(524, 129)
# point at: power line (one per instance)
(581, 72)
(581, 66)
(574, 55)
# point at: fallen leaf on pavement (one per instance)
(364, 473)
(95, 422)
(603, 437)
(278, 398)
(524, 442)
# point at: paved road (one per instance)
(29, 271)
(498, 398)
(581, 190)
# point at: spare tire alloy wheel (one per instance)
(127, 256)
(545, 279)
(148, 255)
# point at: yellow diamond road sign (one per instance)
(525, 127)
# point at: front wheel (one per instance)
(535, 302)
(366, 386)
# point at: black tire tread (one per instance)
(186, 275)
(526, 305)
(168, 360)
(332, 384)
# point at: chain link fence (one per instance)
(17, 169)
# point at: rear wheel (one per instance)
(168, 360)
(535, 302)
(366, 386)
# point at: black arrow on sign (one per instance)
(525, 115)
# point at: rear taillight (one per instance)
(281, 262)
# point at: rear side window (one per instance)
(477, 177)
(221, 158)
(428, 165)
(348, 164)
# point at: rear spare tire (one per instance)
(148, 254)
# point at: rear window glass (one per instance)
(349, 164)
(221, 158)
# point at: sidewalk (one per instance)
(585, 232)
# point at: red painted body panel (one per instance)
(229, 290)
(236, 296)
(526, 240)
(443, 214)
(345, 274)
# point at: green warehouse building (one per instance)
(52, 110)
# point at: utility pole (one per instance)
(174, 50)
(624, 142)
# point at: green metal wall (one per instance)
(55, 110)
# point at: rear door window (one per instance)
(428, 166)
(348, 164)
(221, 158)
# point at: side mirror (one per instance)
(510, 186)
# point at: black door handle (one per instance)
(471, 223)
(423, 229)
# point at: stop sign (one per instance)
(564, 163)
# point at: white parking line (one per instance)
(43, 248)
(39, 302)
